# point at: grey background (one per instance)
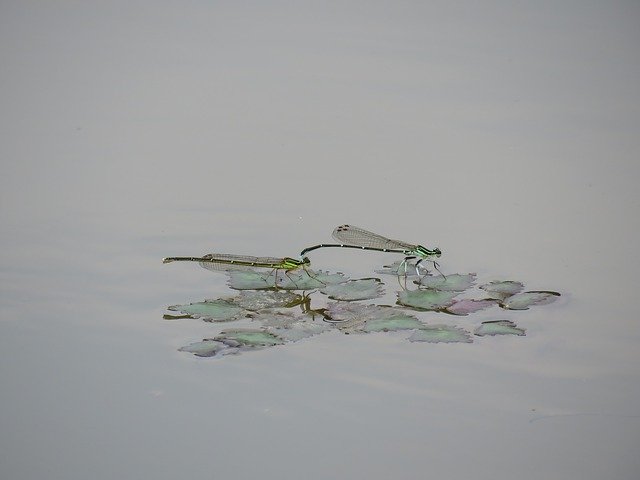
(505, 133)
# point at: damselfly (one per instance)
(356, 237)
(227, 262)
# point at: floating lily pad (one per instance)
(167, 316)
(309, 280)
(253, 280)
(297, 331)
(355, 317)
(290, 327)
(350, 315)
(403, 269)
(300, 281)
(467, 306)
(211, 310)
(277, 319)
(256, 300)
(391, 322)
(499, 327)
(426, 299)
(502, 289)
(363, 289)
(208, 348)
(441, 334)
(522, 301)
(248, 338)
(452, 283)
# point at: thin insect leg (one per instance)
(405, 273)
(313, 276)
(286, 272)
(275, 278)
(435, 265)
(418, 271)
(403, 264)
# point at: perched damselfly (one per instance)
(359, 238)
(228, 262)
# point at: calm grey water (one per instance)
(505, 134)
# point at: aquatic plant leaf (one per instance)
(251, 280)
(294, 280)
(256, 300)
(211, 310)
(299, 282)
(453, 283)
(345, 311)
(167, 316)
(277, 319)
(467, 306)
(302, 280)
(350, 316)
(441, 334)
(248, 338)
(208, 348)
(402, 268)
(355, 317)
(363, 289)
(391, 322)
(297, 331)
(502, 289)
(426, 299)
(290, 327)
(499, 327)
(522, 301)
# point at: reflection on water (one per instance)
(268, 308)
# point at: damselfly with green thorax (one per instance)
(356, 237)
(226, 262)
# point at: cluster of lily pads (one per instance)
(272, 321)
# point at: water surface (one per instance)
(507, 136)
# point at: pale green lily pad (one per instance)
(302, 281)
(363, 289)
(402, 269)
(467, 306)
(298, 331)
(256, 300)
(522, 301)
(426, 299)
(441, 334)
(499, 327)
(451, 283)
(253, 280)
(502, 289)
(291, 327)
(248, 338)
(277, 319)
(211, 310)
(208, 348)
(355, 317)
(349, 316)
(394, 322)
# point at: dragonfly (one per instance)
(227, 262)
(361, 239)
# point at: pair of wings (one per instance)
(352, 235)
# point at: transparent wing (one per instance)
(360, 237)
